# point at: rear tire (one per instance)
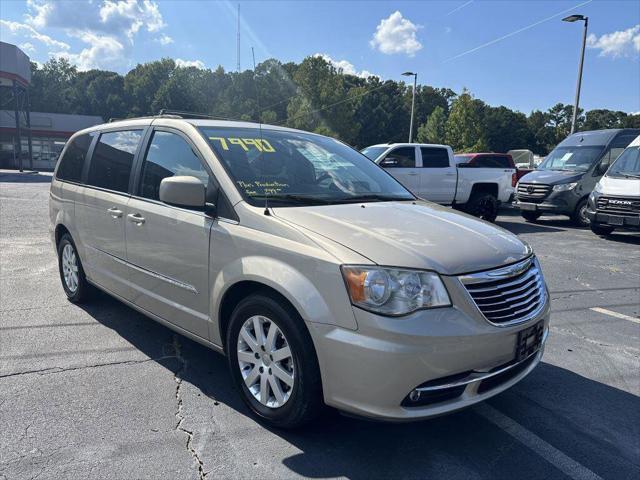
(530, 216)
(74, 281)
(283, 405)
(483, 205)
(602, 230)
(579, 216)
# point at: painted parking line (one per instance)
(550, 453)
(615, 314)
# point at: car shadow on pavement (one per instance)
(518, 227)
(593, 423)
(25, 177)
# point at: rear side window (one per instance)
(434, 157)
(72, 161)
(113, 158)
(403, 157)
(492, 161)
(168, 155)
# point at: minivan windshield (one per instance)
(627, 165)
(296, 168)
(575, 158)
(373, 152)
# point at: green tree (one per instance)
(143, 82)
(433, 131)
(504, 129)
(463, 130)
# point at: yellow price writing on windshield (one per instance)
(245, 143)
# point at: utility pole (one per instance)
(413, 101)
(571, 19)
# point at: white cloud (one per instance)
(165, 39)
(616, 44)
(102, 52)
(131, 15)
(27, 47)
(396, 34)
(345, 66)
(28, 31)
(190, 63)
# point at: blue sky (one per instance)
(514, 53)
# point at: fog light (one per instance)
(414, 396)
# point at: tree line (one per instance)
(315, 96)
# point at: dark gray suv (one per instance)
(563, 182)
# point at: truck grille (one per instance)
(508, 295)
(533, 191)
(624, 206)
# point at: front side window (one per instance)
(372, 153)
(113, 158)
(627, 165)
(403, 157)
(294, 168)
(168, 155)
(72, 162)
(434, 157)
(577, 159)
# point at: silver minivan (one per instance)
(320, 277)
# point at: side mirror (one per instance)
(388, 162)
(601, 169)
(183, 191)
(464, 165)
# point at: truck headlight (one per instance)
(564, 187)
(391, 291)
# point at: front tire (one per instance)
(74, 281)
(484, 206)
(579, 216)
(531, 217)
(273, 362)
(601, 229)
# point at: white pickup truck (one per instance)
(430, 172)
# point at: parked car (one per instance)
(320, 277)
(614, 203)
(563, 182)
(490, 160)
(525, 161)
(431, 172)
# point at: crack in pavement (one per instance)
(179, 412)
(52, 370)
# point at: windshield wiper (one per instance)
(293, 198)
(627, 175)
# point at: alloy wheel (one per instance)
(70, 267)
(265, 361)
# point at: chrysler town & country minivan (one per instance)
(319, 276)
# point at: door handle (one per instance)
(136, 218)
(115, 212)
(413, 174)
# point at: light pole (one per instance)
(575, 18)
(413, 101)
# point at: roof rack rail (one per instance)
(182, 114)
(114, 119)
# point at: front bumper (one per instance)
(563, 203)
(371, 371)
(618, 221)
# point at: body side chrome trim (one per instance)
(159, 276)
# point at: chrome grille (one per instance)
(624, 206)
(533, 191)
(508, 295)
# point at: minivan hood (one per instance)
(623, 187)
(552, 177)
(412, 235)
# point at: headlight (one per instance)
(563, 187)
(392, 291)
(597, 188)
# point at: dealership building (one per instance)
(30, 140)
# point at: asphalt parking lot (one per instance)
(99, 391)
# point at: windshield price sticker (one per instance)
(245, 143)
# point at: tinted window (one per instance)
(112, 160)
(627, 164)
(71, 163)
(434, 157)
(168, 155)
(491, 161)
(403, 157)
(373, 152)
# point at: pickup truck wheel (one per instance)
(579, 216)
(484, 206)
(601, 229)
(530, 216)
(273, 362)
